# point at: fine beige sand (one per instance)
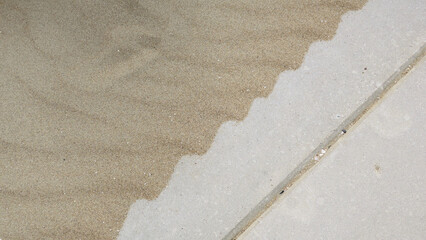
(100, 99)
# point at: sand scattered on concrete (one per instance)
(100, 99)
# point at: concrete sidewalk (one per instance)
(371, 185)
(215, 195)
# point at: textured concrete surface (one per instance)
(208, 195)
(370, 186)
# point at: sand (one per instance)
(100, 99)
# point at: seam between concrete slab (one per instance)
(313, 158)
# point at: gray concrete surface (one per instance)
(209, 195)
(370, 186)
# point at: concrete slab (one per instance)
(370, 186)
(208, 195)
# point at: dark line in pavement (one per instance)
(313, 158)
